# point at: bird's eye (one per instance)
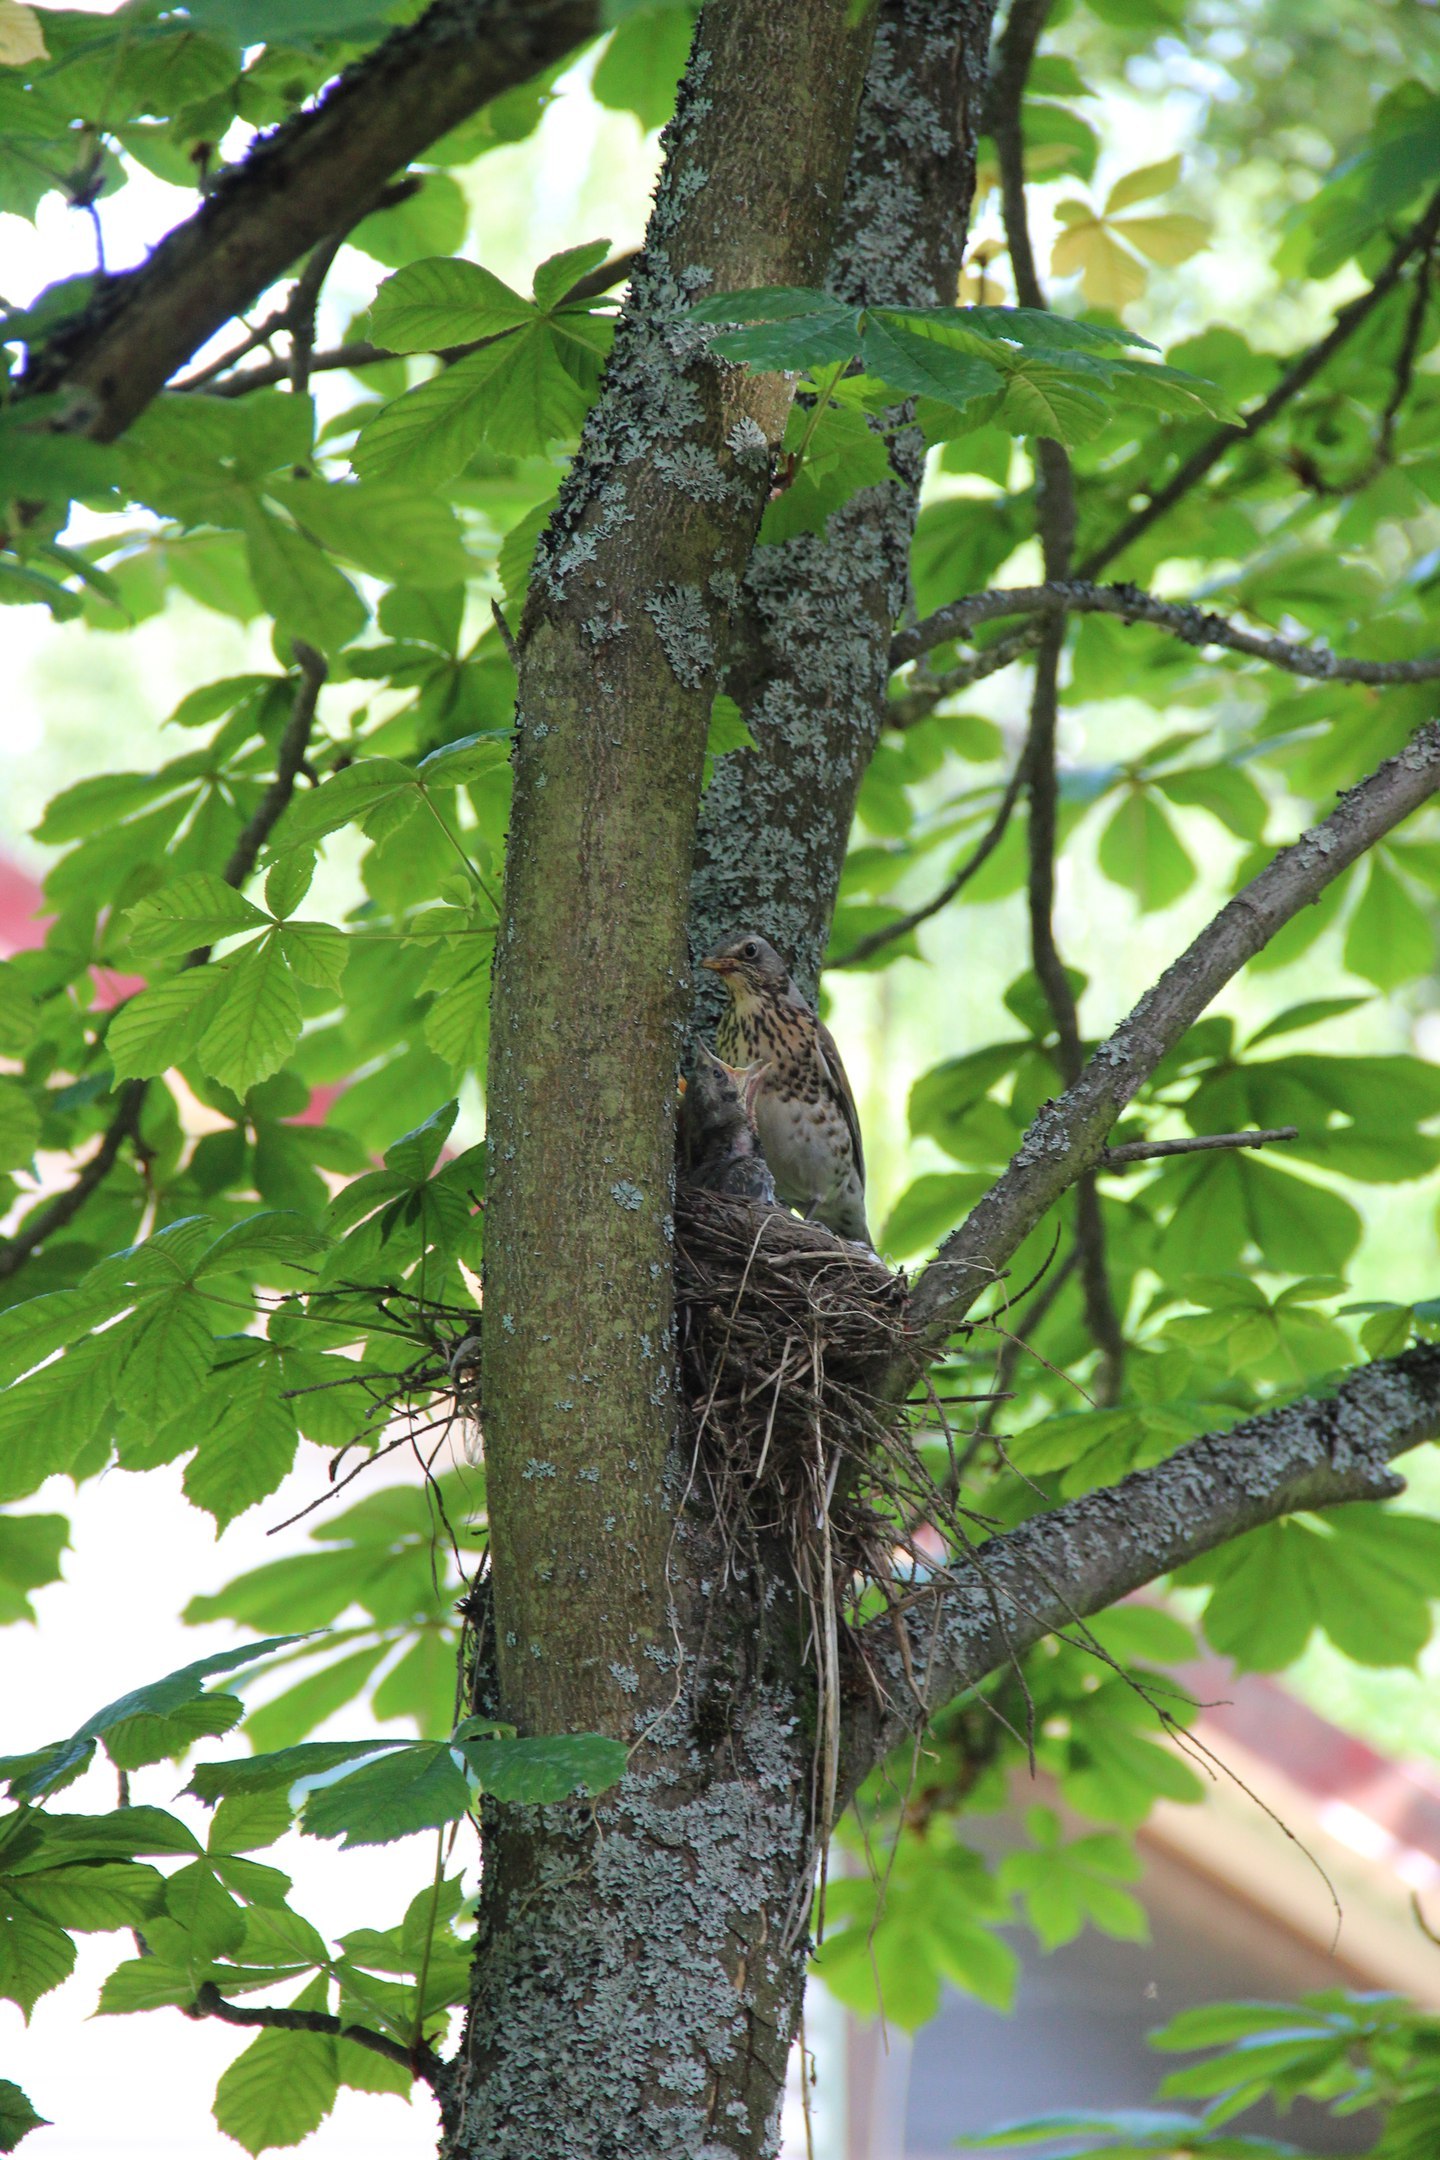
(750, 950)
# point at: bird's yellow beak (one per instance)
(719, 964)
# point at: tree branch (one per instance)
(919, 700)
(124, 1124)
(1055, 517)
(420, 2060)
(293, 188)
(1192, 625)
(289, 757)
(975, 861)
(807, 656)
(1383, 447)
(1419, 240)
(1068, 1136)
(1133, 1151)
(1084, 1556)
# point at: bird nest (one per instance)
(787, 1337)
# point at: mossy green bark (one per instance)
(629, 609)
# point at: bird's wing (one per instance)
(833, 1067)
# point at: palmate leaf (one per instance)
(35, 1954)
(1056, 383)
(1066, 1885)
(788, 327)
(393, 531)
(247, 1441)
(444, 301)
(284, 2084)
(530, 385)
(156, 1698)
(934, 1922)
(1141, 850)
(30, 1549)
(926, 358)
(546, 1770)
(1365, 1575)
(169, 1346)
(162, 1026)
(50, 1418)
(196, 909)
(370, 1792)
(298, 584)
(257, 1022)
(431, 221)
(1390, 938)
(347, 797)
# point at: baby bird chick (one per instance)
(719, 1147)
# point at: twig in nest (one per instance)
(786, 1334)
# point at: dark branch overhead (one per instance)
(292, 190)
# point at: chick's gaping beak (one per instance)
(720, 964)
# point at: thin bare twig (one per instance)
(1192, 625)
(1055, 515)
(288, 760)
(975, 861)
(1133, 1151)
(920, 697)
(507, 635)
(1383, 448)
(124, 1125)
(1420, 238)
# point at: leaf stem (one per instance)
(417, 2031)
(473, 874)
(824, 391)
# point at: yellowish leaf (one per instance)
(1110, 275)
(977, 288)
(1047, 157)
(1072, 212)
(21, 38)
(1172, 239)
(1145, 181)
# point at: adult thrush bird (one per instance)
(803, 1109)
(719, 1148)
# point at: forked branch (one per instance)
(1192, 625)
(1068, 1137)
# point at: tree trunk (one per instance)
(810, 663)
(638, 1968)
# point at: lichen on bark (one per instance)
(809, 660)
